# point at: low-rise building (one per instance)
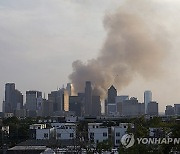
(67, 131)
(119, 131)
(97, 133)
(41, 132)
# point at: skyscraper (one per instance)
(32, 101)
(66, 100)
(177, 109)
(69, 89)
(147, 99)
(59, 99)
(169, 110)
(88, 98)
(96, 105)
(111, 102)
(75, 105)
(152, 108)
(112, 93)
(13, 98)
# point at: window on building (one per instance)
(91, 134)
(59, 135)
(45, 135)
(117, 141)
(93, 126)
(71, 135)
(124, 126)
(117, 134)
(33, 135)
(104, 134)
(97, 141)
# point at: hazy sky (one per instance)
(39, 40)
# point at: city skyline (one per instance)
(34, 101)
(40, 41)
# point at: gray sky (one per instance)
(39, 40)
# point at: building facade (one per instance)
(13, 99)
(147, 99)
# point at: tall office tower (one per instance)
(96, 106)
(47, 108)
(131, 107)
(65, 100)
(152, 108)
(55, 98)
(59, 99)
(119, 100)
(75, 105)
(13, 98)
(169, 110)
(31, 100)
(19, 100)
(69, 89)
(147, 99)
(111, 102)
(112, 93)
(177, 109)
(39, 106)
(88, 98)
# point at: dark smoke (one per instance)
(132, 47)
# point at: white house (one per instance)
(41, 132)
(67, 131)
(44, 134)
(119, 131)
(97, 133)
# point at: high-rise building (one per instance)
(55, 98)
(112, 94)
(147, 99)
(69, 89)
(75, 105)
(121, 98)
(169, 110)
(88, 98)
(13, 98)
(59, 99)
(152, 108)
(66, 100)
(111, 101)
(32, 98)
(177, 109)
(131, 107)
(47, 108)
(96, 106)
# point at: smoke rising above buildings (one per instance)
(134, 46)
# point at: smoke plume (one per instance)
(135, 45)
